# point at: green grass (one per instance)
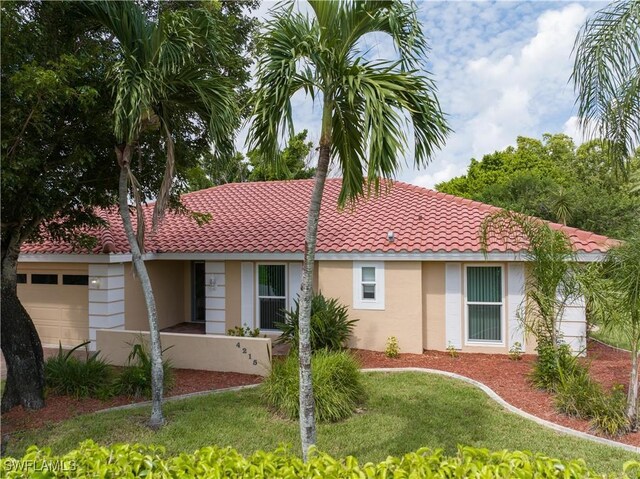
(405, 411)
(612, 337)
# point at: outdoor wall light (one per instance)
(213, 282)
(95, 283)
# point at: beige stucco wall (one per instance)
(59, 312)
(194, 351)
(433, 300)
(402, 316)
(173, 297)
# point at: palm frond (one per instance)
(290, 41)
(606, 76)
(374, 107)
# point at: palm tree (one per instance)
(365, 108)
(167, 68)
(606, 76)
(614, 297)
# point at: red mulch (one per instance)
(508, 378)
(59, 408)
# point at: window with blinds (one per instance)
(484, 303)
(272, 294)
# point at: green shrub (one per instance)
(516, 351)
(578, 395)
(126, 460)
(330, 324)
(392, 349)
(550, 364)
(244, 332)
(337, 385)
(67, 375)
(135, 378)
(609, 413)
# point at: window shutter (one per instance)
(453, 305)
(295, 282)
(515, 297)
(247, 296)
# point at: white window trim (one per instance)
(484, 342)
(257, 291)
(358, 301)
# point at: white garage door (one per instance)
(57, 299)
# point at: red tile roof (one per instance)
(271, 217)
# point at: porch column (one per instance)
(106, 298)
(214, 280)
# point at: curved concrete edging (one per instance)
(609, 346)
(493, 395)
(179, 397)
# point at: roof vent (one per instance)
(391, 236)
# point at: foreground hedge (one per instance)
(91, 460)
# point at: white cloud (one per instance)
(516, 85)
(430, 180)
(502, 71)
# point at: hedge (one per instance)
(125, 460)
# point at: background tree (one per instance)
(365, 108)
(292, 163)
(606, 76)
(169, 74)
(55, 149)
(554, 180)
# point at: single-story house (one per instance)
(407, 263)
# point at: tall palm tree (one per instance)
(366, 106)
(168, 67)
(606, 76)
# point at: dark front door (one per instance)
(198, 291)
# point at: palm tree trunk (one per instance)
(157, 373)
(632, 395)
(19, 339)
(307, 402)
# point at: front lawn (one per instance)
(405, 411)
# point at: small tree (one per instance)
(614, 300)
(551, 282)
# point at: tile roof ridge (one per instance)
(107, 242)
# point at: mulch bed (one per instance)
(59, 408)
(508, 378)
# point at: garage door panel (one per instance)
(45, 315)
(59, 312)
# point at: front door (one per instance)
(198, 300)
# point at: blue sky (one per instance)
(502, 70)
